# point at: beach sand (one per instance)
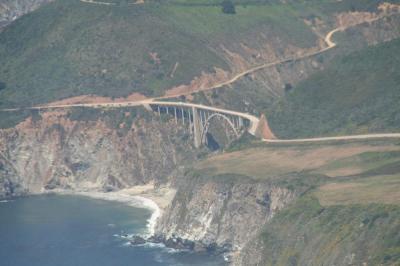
(144, 196)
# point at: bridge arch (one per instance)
(206, 125)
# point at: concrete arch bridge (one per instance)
(199, 117)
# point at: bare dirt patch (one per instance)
(93, 99)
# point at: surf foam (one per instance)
(134, 201)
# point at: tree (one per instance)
(228, 7)
(2, 85)
(288, 87)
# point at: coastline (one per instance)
(134, 197)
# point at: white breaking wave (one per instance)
(160, 246)
(134, 201)
(156, 213)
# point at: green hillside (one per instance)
(348, 207)
(358, 93)
(335, 235)
(70, 48)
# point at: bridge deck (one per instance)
(253, 119)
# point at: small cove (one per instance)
(75, 230)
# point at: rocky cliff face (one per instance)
(222, 213)
(10, 10)
(55, 151)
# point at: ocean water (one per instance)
(53, 230)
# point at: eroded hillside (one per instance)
(271, 57)
(174, 48)
(293, 204)
(90, 151)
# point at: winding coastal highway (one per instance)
(254, 121)
(325, 139)
(328, 40)
(95, 2)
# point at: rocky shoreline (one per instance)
(179, 243)
(136, 201)
(153, 237)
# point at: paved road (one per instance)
(351, 137)
(97, 2)
(107, 3)
(328, 40)
(254, 121)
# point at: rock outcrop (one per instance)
(222, 213)
(10, 10)
(56, 152)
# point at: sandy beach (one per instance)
(145, 196)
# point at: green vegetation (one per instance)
(120, 119)
(361, 163)
(336, 219)
(243, 142)
(209, 22)
(335, 235)
(11, 119)
(358, 93)
(302, 168)
(228, 7)
(376, 189)
(282, 161)
(2, 85)
(69, 48)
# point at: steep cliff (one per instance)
(104, 150)
(110, 150)
(221, 213)
(217, 207)
(303, 205)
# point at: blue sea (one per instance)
(54, 230)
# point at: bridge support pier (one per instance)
(199, 117)
(240, 122)
(196, 128)
(176, 116)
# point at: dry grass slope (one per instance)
(271, 162)
(377, 189)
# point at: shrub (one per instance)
(2, 85)
(228, 7)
